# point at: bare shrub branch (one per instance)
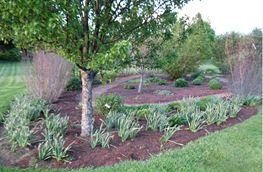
(47, 76)
(245, 61)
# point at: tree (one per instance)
(90, 33)
(145, 57)
(192, 43)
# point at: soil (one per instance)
(142, 147)
(149, 95)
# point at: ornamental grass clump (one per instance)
(128, 128)
(196, 120)
(156, 120)
(100, 137)
(18, 120)
(168, 133)
(217, 113)
(234, 107)
(54, 141)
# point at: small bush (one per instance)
(181, 82)
(215, 84)
(10, 55)
(127, 128)
(107, 103)
(129, 86)
(199, 80)
(74, 84)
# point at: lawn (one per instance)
(11, 82)
(234, 149)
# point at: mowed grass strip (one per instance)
(235, 149)
(11, 82)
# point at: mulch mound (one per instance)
(142, 147)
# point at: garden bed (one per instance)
(142, 147)
(150, 93)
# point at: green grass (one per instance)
(11, 82)
(235, 149)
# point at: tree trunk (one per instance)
(141, 83)
(87, 78)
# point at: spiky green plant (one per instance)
(168, 133)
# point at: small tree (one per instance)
(90, 33)
(191, 43)
(145, 57)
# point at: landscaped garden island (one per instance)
(126, 86)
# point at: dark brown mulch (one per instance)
(140, 148)
(149, 95)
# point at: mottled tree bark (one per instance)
(87, 78)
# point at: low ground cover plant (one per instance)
(106, 103)
(181, 82)
(163, 92)
(215, 84)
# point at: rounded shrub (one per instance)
(106, 103)
(198, 80)
(129, 86)
(215, 84)
(181, 82)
